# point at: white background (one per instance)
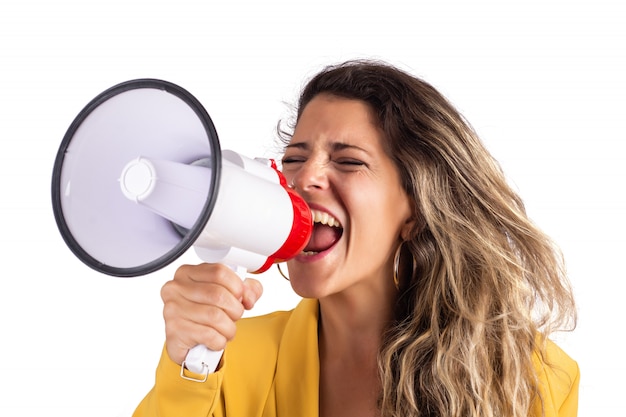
(541, 81)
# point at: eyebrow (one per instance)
(335, 146)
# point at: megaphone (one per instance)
(139, 178)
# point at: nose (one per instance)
(312, 175)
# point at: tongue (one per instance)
(322, 238)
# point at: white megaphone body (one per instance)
(140, 178)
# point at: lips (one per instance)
(326, 232)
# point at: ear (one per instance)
(413, 224)
(409, 228)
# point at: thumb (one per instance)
(252, 291)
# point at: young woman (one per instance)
(426, 289)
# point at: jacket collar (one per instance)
(297, 371)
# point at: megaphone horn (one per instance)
(139, 178)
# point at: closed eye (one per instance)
(354, 162)
(293, 159)
(349, 164)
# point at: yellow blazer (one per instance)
(271, 369)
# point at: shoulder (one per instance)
(263, 327)
(266, 332)
(274, 324)
(559, 377)
(259, 343)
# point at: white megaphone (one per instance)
(140, 178)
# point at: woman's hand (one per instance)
(202, 304)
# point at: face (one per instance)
(338, 164)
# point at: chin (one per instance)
(308, 285)
(313, 275)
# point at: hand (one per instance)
(202, 304)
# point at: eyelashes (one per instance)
(346, 163)
(351, 162)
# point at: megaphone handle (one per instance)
(200, 359)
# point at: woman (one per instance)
(426, 289)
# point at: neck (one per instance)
(350, 331)
(352, 324)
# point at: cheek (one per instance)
(393, 215)
(380, 218)
(378, 211)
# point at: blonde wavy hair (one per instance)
(481, 286)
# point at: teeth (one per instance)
(324, 218)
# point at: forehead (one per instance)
(340, 120)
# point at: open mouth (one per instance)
(326, 232)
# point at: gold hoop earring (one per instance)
(280, 271)
(396, 265)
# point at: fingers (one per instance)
(201, 306)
